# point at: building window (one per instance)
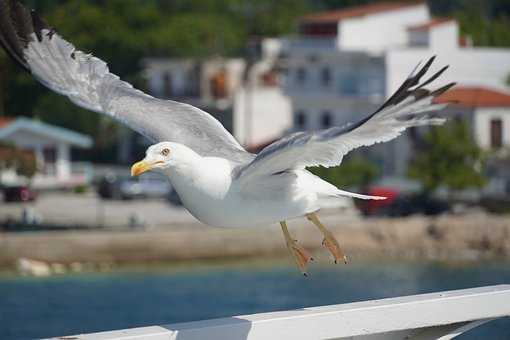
(301, 75)
(374, 86)
(50, 155)
(326, 119)
(193, 86)
(300, 120)
(49, 160)
(326, 76)
(348, 84)
(496, 133)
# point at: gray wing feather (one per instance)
(87, 82)
(411, 105)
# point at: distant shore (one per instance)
(468, 236)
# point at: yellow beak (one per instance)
(140, 167)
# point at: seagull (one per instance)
(218, 181)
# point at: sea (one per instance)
(164, 294)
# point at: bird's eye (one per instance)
(165, 152)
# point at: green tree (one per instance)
(23, 162)
(354, 171)
(450, 158)
(487, 23)
(123, 32)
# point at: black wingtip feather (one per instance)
(424, 69)
(8, 36)
(434, 77)
(23, 22)
(442, 89)
(13, 30)
(17, 24)
(39, 24)
(406, 89)
(403, 90)
(421, 93)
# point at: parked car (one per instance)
(145, 186)
(18, 193)
(398, 204)
(376, 207)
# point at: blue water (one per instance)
(71, 304)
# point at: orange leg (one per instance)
(329, 241)
(300, 254)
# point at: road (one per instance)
(89, 210)
(68, 209)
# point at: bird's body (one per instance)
(216, 200)
(212, 193)
(219, 182)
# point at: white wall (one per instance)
(260, 115)
(271, 48)
(487, 67)
(444, 37)
(377, 32)
(482, 125)
(440, 37)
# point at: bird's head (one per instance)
(162, 157)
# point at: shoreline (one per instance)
(471, 236)
(249, 263)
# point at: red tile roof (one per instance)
(475, 97)
(356, 11)
(431, 23)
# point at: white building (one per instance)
(345, 63)
(51, 146)
(211, 82)
(488, 111)
(262, 111)
(246, 98)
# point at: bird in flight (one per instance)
(218, 181)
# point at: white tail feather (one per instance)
(360, 196)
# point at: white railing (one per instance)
(442, 315)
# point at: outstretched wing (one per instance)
(87, 82)
(411, 105)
